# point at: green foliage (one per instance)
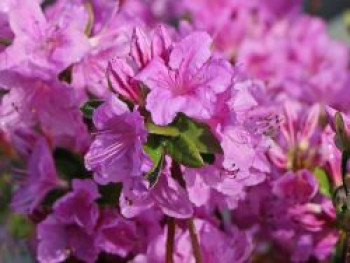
(162, 130)
(69, 165)
(338, 252)
(341, 138)
(89, 107)
(109, 194)
(184, 151)
(199, 133)
(324, 184)
(186, 141)
(19, 226)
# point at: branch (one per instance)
(194, 240)
(170, 240)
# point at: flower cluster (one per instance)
(130, 139)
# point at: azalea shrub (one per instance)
(172, 131)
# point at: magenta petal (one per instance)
(172, 198)
(39, 180)
(297, 187)
(52, 242)
(194, 48)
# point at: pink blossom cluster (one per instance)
(172, 131)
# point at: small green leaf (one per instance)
(153, 175)
(89, 107)
(323, 182)
(162, 130)
(155, 150)
(184, 151)
(199, 133)
(154, 147)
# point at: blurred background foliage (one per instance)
(336, 13)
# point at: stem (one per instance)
(344, 163)
(346, 251)
(170, 241)
(194, 240)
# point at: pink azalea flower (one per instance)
(41, 47)
(306, 65)
(299, 144)
(229, 22)
(144, 47)
(111, 38)
(190, 77)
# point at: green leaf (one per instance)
(154, 147)
(337, 255)
(323, 182)
(89, 107)
(162, 130)
(199, 133)
(184, 151)
(155, 150)
(153, 175)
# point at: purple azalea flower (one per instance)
(33, 103)
(58, 241)
(39, 179)
(167, 195)
(116, 235)
(84, 215)
(69, 230)
(296, 188)
(116, 152)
